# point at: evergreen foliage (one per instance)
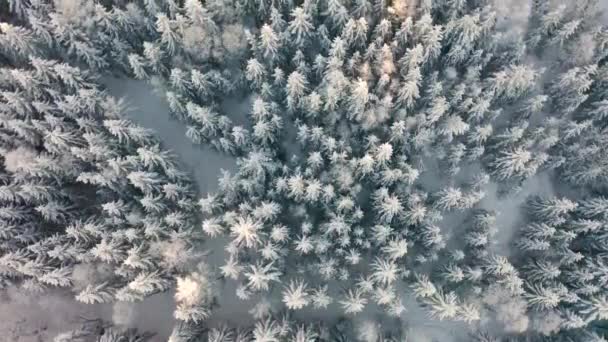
(383, 140)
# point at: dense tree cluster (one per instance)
(82, 186)
(377, 131)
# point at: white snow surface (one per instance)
(150, 110)
(509, 208)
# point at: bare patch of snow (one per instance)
(152, 111)
(509, 208)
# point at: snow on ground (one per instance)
(237, 109)
(509, 209)
(30, 317)
(27, 317)
(151, 111)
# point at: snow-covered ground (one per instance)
(509, 208)
(150, 110)
(26, 317)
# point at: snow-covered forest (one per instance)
(304, 170)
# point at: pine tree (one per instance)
(300, 26)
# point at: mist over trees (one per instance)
(387, 170)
